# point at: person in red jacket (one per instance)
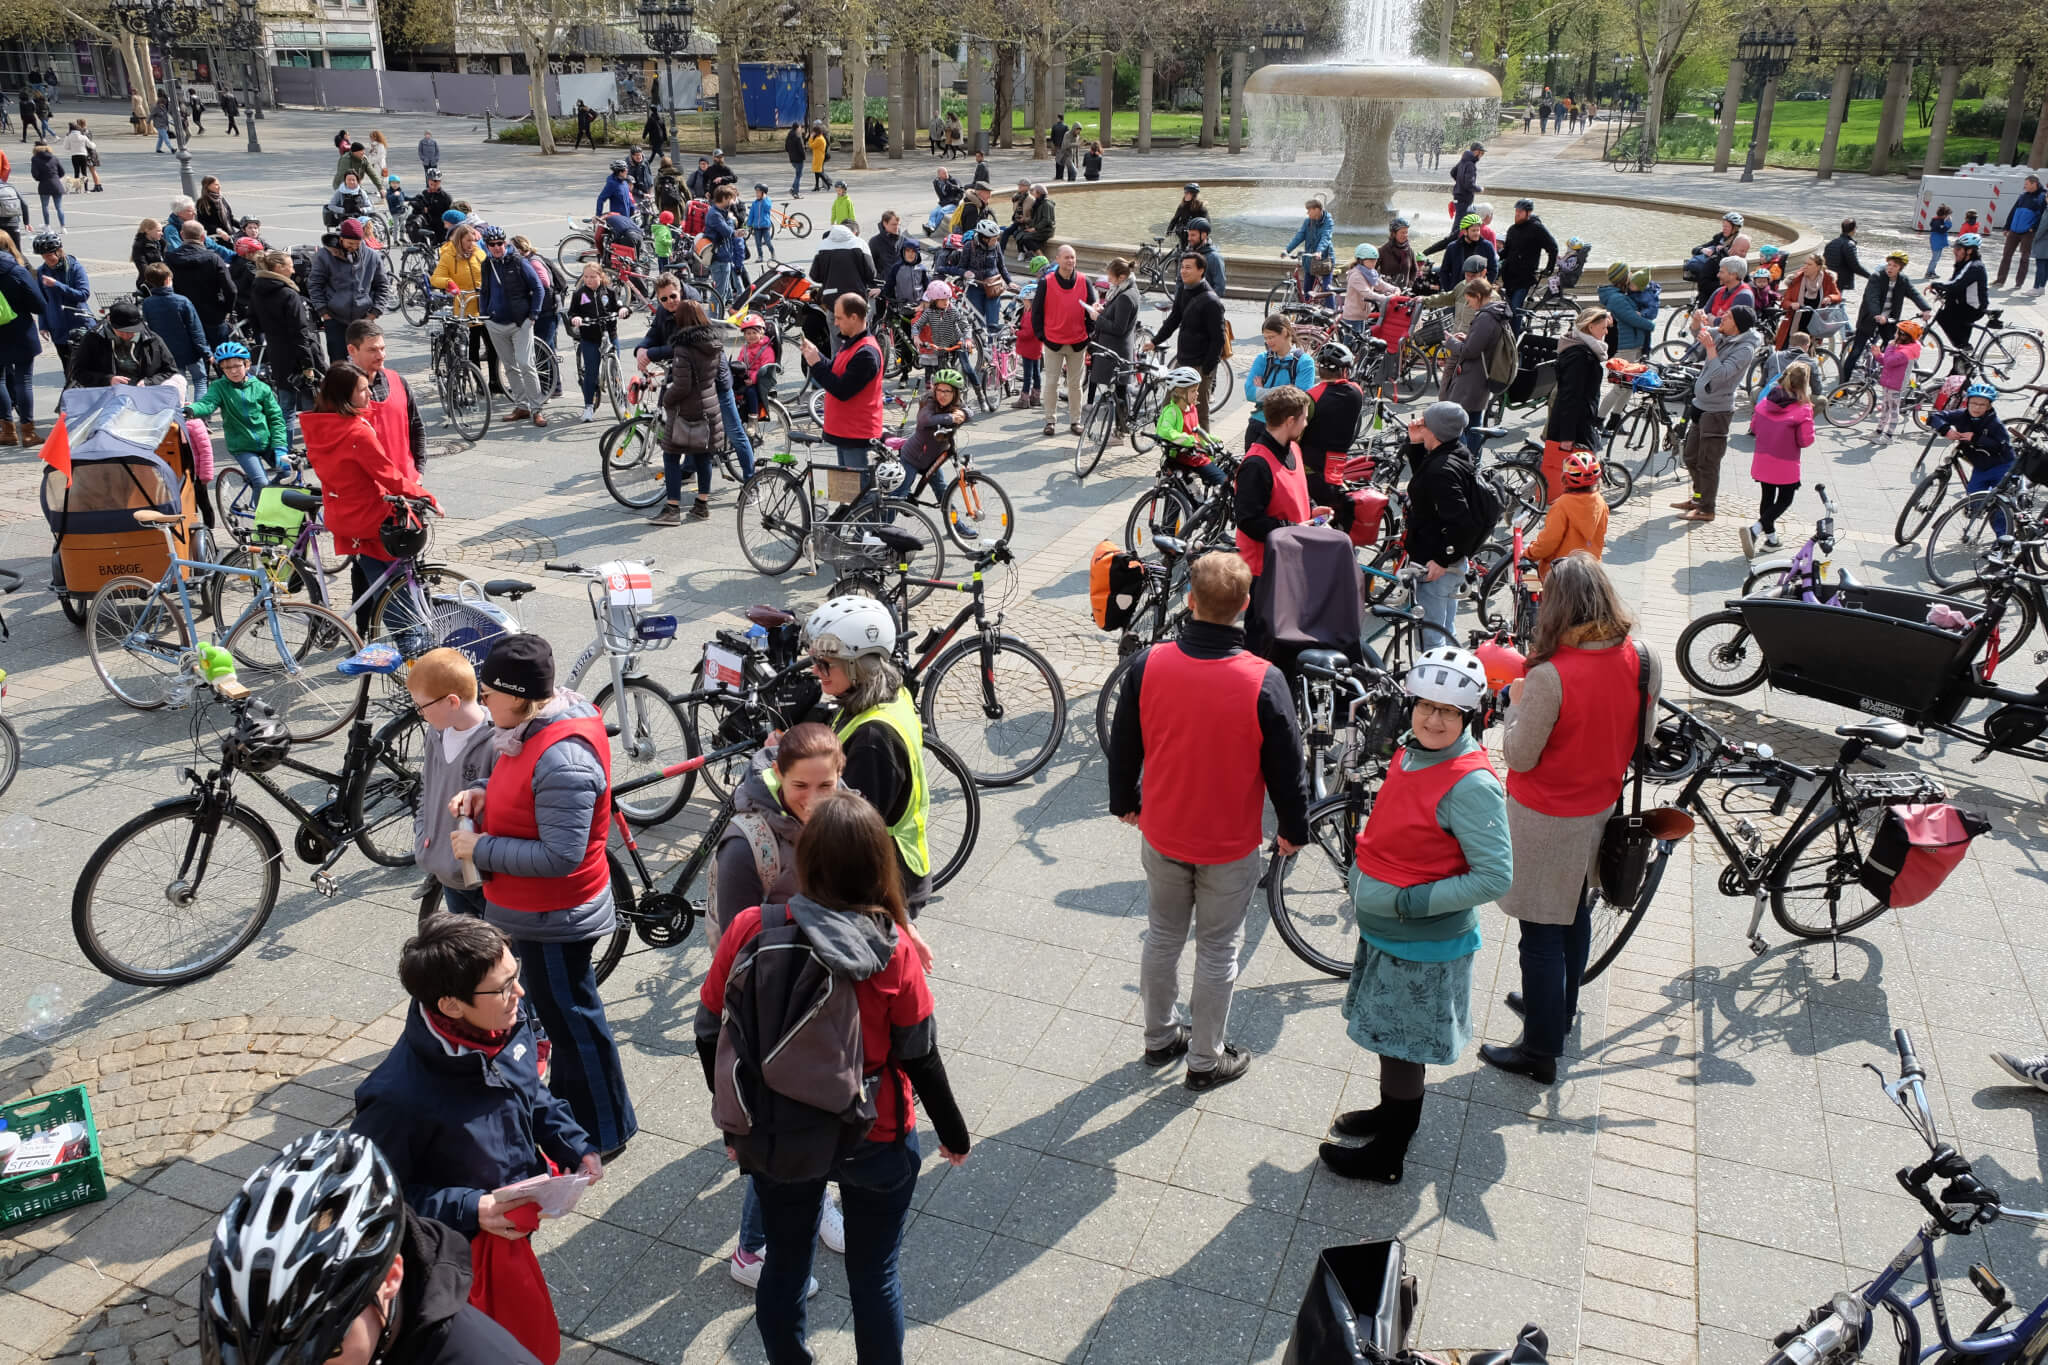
(1063, 317)
(1211, 731)
(852, 381)
(357, 473)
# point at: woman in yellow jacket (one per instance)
(461, 267)
(818, 157)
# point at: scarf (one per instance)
(508, 743)
(1591, 343)
(465, 1037)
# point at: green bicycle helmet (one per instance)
(953, 377)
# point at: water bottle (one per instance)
(757, 638)
(471, 878)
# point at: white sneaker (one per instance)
(2027, 1070)
(832, 1225)
(590, 413)
(746, 1269)
(1749, 536)
(1771, 541)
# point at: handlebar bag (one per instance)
(1915, 849)
(1115, 581)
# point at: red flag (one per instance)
(57, 448)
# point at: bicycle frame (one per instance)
(319, 822)
(265, 599)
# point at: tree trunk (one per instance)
(1838, 108)
(1041, 97)
(1105, 96)
(853, 62)
(973, 120)
(1237, 60)
(1893, 113)
(1443, 31)
(1057, 78)
(1145, 61)
(1944, 110)
(1212, 96)
(732, 103)
(1003, 114)
(1653, 105)
(817, 90)
(2039, 151)
(537, 93)
(1731, 102)
(2015, 110)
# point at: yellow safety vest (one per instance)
(909, 830)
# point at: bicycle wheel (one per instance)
(1098, 424)
(549, 371)
(1279, 296)
(1616, 483)
(229, 595)
(137, 638)
(385, 799)
(10, 754)
(1105, 700)
(1308, 895)
(652, 721)
(799, 225)
(1416, 375)
(413, 298)
(977, 512)
(611, 386)
(1961, 536)
(631, 460)
(1222, 386)
(952, 811)
(1921, 506)
(1814, 888)
(775, 520)
(301, 682)
(2012, 360)
(1495, 598)
(1005, 714)
(1162, 511)
(176, 892)
(572, 251)
(1845, 405)
(607, 958)
(466, 398)
(1526, 493)
(1613, 925)
(1717, 655)
(1404, 640)
(928, 563)
(768, 432)
(2016, 622)
(234, 500)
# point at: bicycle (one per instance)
(793, 221)
(1804, 573)
(1966, 532)
(464, 389)
(1840, 1331)
(1157, 266)
(1522, 472)
(787, 512)
(629, 453)
(1128, 404)
(10, 742)
(142, 637)
(2011, 358)
(1293, 289)
(1182, 505)
(175, 893)
(1924, 502)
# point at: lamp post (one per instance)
(166, 23)
(1764, 53)
(666, 26)
(243, 32)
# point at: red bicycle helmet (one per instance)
(1581, 470)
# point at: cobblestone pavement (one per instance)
(1713, 1163)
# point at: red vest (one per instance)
(392, 420)
(1402, 844)
(1290, 501)
(508, 811)
(1204, 793)
(1065, 322)
(858, 418)
(1586, 756)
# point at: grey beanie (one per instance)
(1445, 421)
(1475, 265)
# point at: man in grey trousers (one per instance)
(512, 302)
(1210, 729)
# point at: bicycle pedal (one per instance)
(1757, 946)
(326, 886)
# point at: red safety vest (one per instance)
(508, 811)
(1586, 756)
(1204, 792)
(1402, 844)
(1065, 322)
(858, 418)
(1290, 500)
(391, 419)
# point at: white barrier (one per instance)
(1986, 194)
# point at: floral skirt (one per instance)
(1410, 1011)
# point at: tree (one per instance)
(1660, 27)
(535, 28)
(413, 25)
(59, 19)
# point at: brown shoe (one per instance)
(1696, 514)
(1685, 506)
(7, 437)
(539, 420)
(25, 432)
(519, 415)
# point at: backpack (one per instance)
(1503, 360)
(693, 217)
(1485, 504)
(1116, 580)
(790, 1089)
(761, 842)
(1914, 850)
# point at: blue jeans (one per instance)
(1516, 298)
(736, 432)
(764, 243)
(1989, 476)
(2040, 271)
(876, 1182)
(796, 178)
(1472, 439)
(1439, 600)
(254, 463)
(288, 404)
(990, 306)
(721, 277)
(1031, 369)
(195, 375)
(463, 900)
(675, 462)
(17, 390)
(585, 1071)
(49, 199)
(591, 353)
(1553, 965)
(163, 140)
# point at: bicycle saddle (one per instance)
(1170, 545)
(893, 442)
(768, 618)
(298, 501)
(902, 542)
(506, 587)
(1323, 663)
(1488, 433)
(1885, 734)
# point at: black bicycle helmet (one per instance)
(1529, 204)
(258, 742)
(47, 241)
(403, 534)
(618, 166)
(1335, 355)
(760, 188)
(1198, 225)
(1192, 187)
(300, 1252)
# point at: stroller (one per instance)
(128, 455)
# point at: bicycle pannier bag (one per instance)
(1359, 1307)
(1368, 510)
(1915, 849)
(1397, 317)
(2032, 454)
(789, 1090)
(1115, 582)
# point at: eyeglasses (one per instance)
(821, 665)
(504, 992)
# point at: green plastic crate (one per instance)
(36, 1193)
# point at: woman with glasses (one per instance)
(541, 821)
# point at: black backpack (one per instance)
(790, 1089)
(1482, 503)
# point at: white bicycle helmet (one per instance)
(1182, 377)
(300, 1252)
(891, 473)
(850, 627)
(1451, 677)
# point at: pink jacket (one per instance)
(1782, 430)
(1895, 361)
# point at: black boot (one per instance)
(1361, 1123)
(1381, 1158)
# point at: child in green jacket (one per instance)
(249, 414)
(842, 208)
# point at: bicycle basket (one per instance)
(1431, 328)
(2032, 460)
(619, 598)
(846, 548)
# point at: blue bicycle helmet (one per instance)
(492, 233)
(1980, 389)
(1969, 239)
(231, 350)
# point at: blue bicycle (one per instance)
(1838, 1332)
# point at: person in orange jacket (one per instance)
(1577, 518)
(356, 475)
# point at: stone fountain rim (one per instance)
(1803, 237)
(1417, 81)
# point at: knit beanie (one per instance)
(1618, 272)
(1744, 315)
(1638, 281)
(1445, 421)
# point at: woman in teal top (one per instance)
(1435, 848)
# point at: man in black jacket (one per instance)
(291, 343)
(1197, 314)
(1840, 255)
(720, 173)
(201, 276)
(121, 349)
(1465, 181)
(428, 205)
(1527, 240)
(1464, 242)
(1443, 525)
(1884, 303)
(841, 266)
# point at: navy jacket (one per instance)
(615, 197)
(510, 292)
(457, 1124)
(171, 316)
(66, 305)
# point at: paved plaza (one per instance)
(1713, 1162)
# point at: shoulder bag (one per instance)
(1626, 842)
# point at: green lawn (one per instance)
(1797, 127)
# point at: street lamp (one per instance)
(1764, 53)
(666, 26)
(166, 23)
(243, 32)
